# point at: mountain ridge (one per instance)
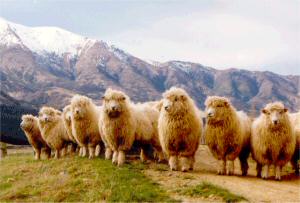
(52, 76)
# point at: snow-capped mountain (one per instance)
(42, 40)
(47, 65)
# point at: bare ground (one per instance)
(250, 187)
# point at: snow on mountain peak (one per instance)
(42, 39)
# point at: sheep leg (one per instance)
(185, 163)
(63, 151)
(173, 163)
(230, 167)
(278, 173)
(73, 148)
(121, 158)
(222, 167)
(115, 157)
(84, 151)
(258, 170)
(91, 152)
(48, 152)
(98, 150)
(265, 173)
(108, 153)
(295, 166)
(244, 167)
(80, 151)
(192, 161)
(57, 154)
(143, 156)
(243, 157)
(161, 156)
(37, 154)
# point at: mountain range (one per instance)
(47, 65)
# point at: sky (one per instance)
(250, 34)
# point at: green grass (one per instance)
(75, 179)
(206, 190)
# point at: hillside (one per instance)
(47, 65)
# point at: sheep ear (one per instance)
(226, 103)
(285, 110)
(264, 111)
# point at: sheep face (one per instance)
(174, 102)
(48, 115)
(114, 103)
(27, 122)
(275, 114)
(79, 108)
(216, 108)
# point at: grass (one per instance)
(207, 190)
(75, 179)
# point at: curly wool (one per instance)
(272, 145)
(85, 128)
(118, 133)
(31, 129)
(180, 129)
(53, 131)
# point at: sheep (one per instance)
(84, 122)
(295, 119)
(31, 129)
(52, 129)
(179, 128)
(273, 140)
(68, 125)
(227, 134)
(117, 123)
(147, 128)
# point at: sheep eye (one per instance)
(176, 99)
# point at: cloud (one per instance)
(255, 36)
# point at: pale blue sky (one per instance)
(255, 35)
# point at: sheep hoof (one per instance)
(221, 173)
(184, 169)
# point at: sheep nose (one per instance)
(275, 122)
(209, 114)
(21, 126)
(114, 108)
(77, 111)
(166, 108)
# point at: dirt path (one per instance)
(250, 187)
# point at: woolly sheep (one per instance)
(67, 116)
(31, 129)
(117, 123)
(84, 121)
(52, 129)
(179, 127)
(227, 134)
(272, 140)
(295, 119)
